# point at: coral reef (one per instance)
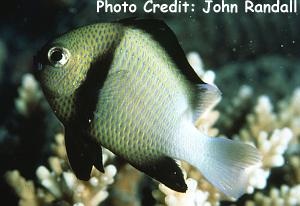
(29, 95)
(284, 196)
(253, 58)
(58, 184)
(272, 129)
(193, 195)
(24, 189)
(126, 188)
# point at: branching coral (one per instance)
(273, 142)
(286, 195)
(272, 148)
(29, 95)
(234, 112)
(193, 196)
(294, 163)
(289, 115)
(59, 184)
(196, 62)
(24, 189)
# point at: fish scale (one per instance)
(127, 86)
(138, 106)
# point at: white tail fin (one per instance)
(223, 162)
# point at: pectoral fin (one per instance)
(166, 171)
(83, 152)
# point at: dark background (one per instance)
(261, 50)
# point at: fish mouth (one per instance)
(37, 66)
(39, 59)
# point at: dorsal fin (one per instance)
(162, 33)
(207, 96)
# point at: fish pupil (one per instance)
(56, 56)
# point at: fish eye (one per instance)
(58, 56)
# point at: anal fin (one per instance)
(83, 152)
(166, 171)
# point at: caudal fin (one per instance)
(223, 162)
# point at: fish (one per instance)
(127, 86)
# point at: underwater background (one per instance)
(252, 58)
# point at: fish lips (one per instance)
(37, 66)
(40, 59)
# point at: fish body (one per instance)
(128, 87)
